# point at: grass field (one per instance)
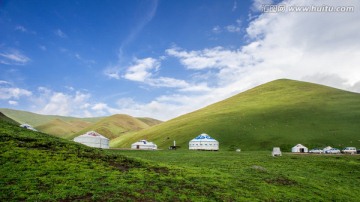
(259, 176)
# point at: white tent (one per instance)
(93, 139)
(204, 142)
(143, 144)
(276, 151)
(327, 148)
(299, 148)
(27, 126)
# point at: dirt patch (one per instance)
(281, 181)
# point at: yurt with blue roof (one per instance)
(204, 142)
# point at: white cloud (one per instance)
(142, 69)
(217, 57)
(13, 57)
(59, 103)
(145, 71)
(60, 33)
(233, 28)
(8, 91)
(13, 102)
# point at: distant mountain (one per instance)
(70, 127)
(39, 119)
(61, 128)
(116, 125)
(279, 113)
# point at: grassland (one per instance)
(253, 176)
(40, 167)
(280, 113)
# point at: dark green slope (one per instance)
(7, 119)
(279, 113)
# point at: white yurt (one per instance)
(27, 126)
(327, 148)
(143, 144)
(204, 142)
(93, 139)
(299, 148)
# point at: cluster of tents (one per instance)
(94, 139)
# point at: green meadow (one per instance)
(40, 167)
(259, 176)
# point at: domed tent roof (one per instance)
(93, 139)
(204, 137)
(93, 134)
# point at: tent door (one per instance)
(137, 146)
(302, 150)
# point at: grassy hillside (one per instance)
(280, 113)
(62, 128)
(113, 126)
(36, 120)
(7, 119)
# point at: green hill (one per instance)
(113, 126)
(279, 113)
(61, 128)
(36, 120)
(7, 119)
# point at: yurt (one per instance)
(299, 148)
(327, 148)
(27, 126)
(93, 139)
(143, 144)
(204, 142)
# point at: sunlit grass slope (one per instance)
(113, 126)
(279, 113)
(36, 120)
(63, 128)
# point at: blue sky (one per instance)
(160, 58)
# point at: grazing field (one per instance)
(259, 176)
